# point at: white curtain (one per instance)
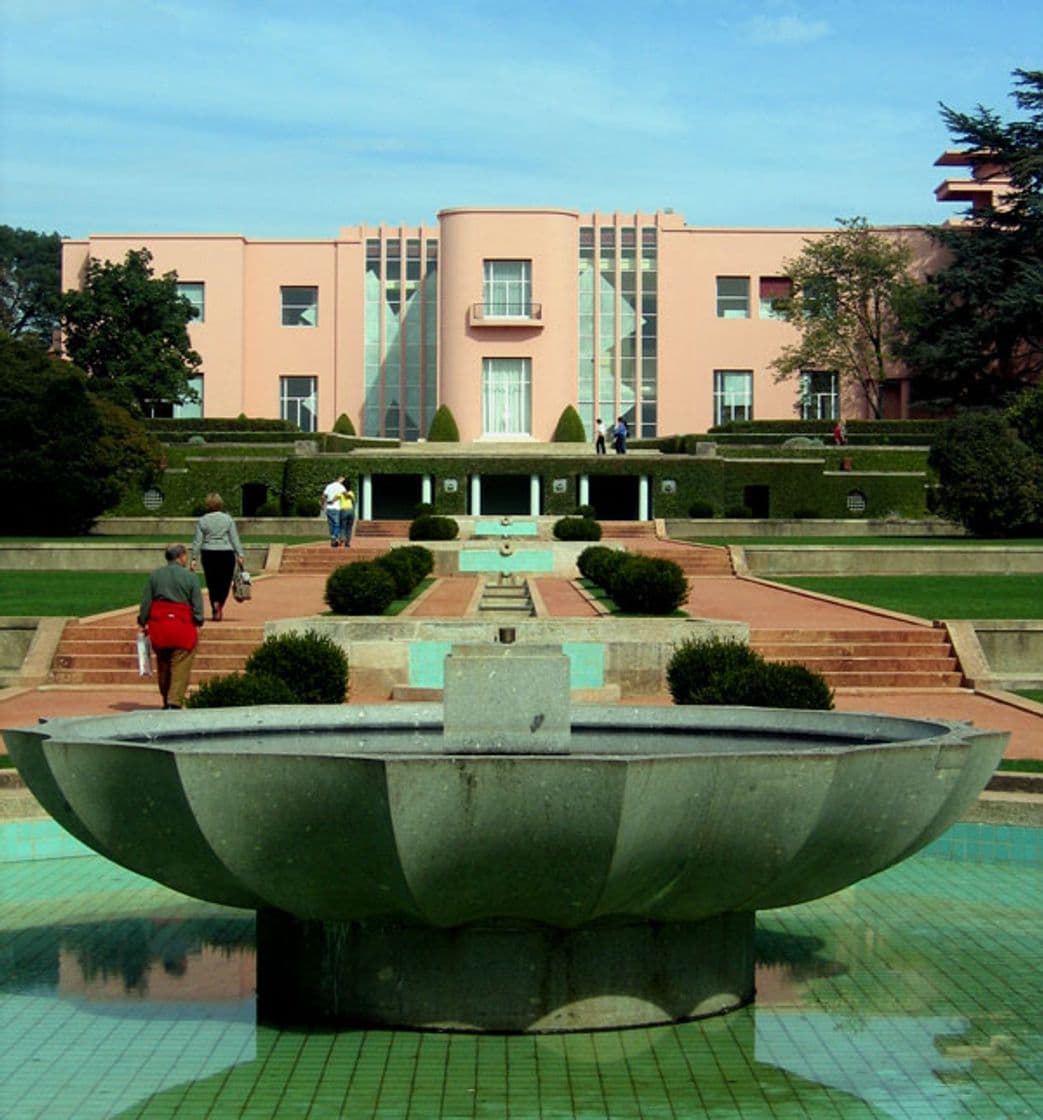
(506, 396)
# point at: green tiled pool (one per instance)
(914, 994)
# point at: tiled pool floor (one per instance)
(915, 994)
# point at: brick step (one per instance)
(894, 680)
(127, 660)
(125, 678)
(381, 529)
(108, 648)
(859, 664)
(915, 636)
(627, 530)
(798, 651)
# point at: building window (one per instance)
(819, 394)
(733, 297)
(297, 402)
(732, 395)
(507, 396)
(191, 409)
(772, 290)
(195, 293)
(508, 289)
(300, 306)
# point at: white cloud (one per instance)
(785, 31)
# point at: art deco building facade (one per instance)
(504, 315)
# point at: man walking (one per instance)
(331, 503)
(171, 613)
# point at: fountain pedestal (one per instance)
(501, 976)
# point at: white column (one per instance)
(534, 495)
(476, 495)
(425, 489)
(642, 498)
(365, 511)
(584, 489)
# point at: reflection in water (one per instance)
(913, 993)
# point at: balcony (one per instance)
(481, 315)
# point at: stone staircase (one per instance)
(506, 598)
(320, 559)
(694, 559)
(104, 652)
(901, 657)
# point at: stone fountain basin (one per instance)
(353, 813)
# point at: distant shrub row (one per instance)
(637, 584)
(723, 671)
(369, 587)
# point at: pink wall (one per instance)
(546, 237)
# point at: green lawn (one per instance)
(870, 542)
(983, 596)
(68, 593)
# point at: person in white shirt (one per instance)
(331, 505)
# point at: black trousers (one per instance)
(218, 568)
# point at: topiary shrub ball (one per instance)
(649, 585)
(242, 691)
(402, 569)
(360, 588)
(577, 529)
(312, 665)
(433, 527)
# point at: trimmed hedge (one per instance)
(724, 671)
(577, 529)
(360, 588)
(648, 585)
(569, 428)
(242, 690)
(433, 527)
(312, 665)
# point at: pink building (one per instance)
(504, 315)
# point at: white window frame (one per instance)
(732, 395)
(195, 292)
(506, 397)
(507, 289)
(300, 305)
(819, 404)
(302, 403)
(733, 297)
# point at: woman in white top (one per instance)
(216, 543)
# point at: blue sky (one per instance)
(281, 119)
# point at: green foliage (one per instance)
(64, 457)
(433, 527)
(242, 690)
(569, 428)
(988, 480)
(1025, 416)
(128, 330)
(269, 509)
(30, 283)
(844, 288)
(343, 425)
(307, 507)
(423, 559)
(700, 509)
(973, 330)
(600, 564)
(360, 588)
(312, 665)
(443, 427)
(717, 670)
(171, 427)
(577, 529)
(403, 570)
(648, 585)
(586, 511)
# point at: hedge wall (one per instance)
(794, 483)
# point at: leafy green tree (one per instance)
(988, 479)
(1025, 416)
(128, 331)
(973, 332)
(30, 283)
(845, 286)
(65, 455)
